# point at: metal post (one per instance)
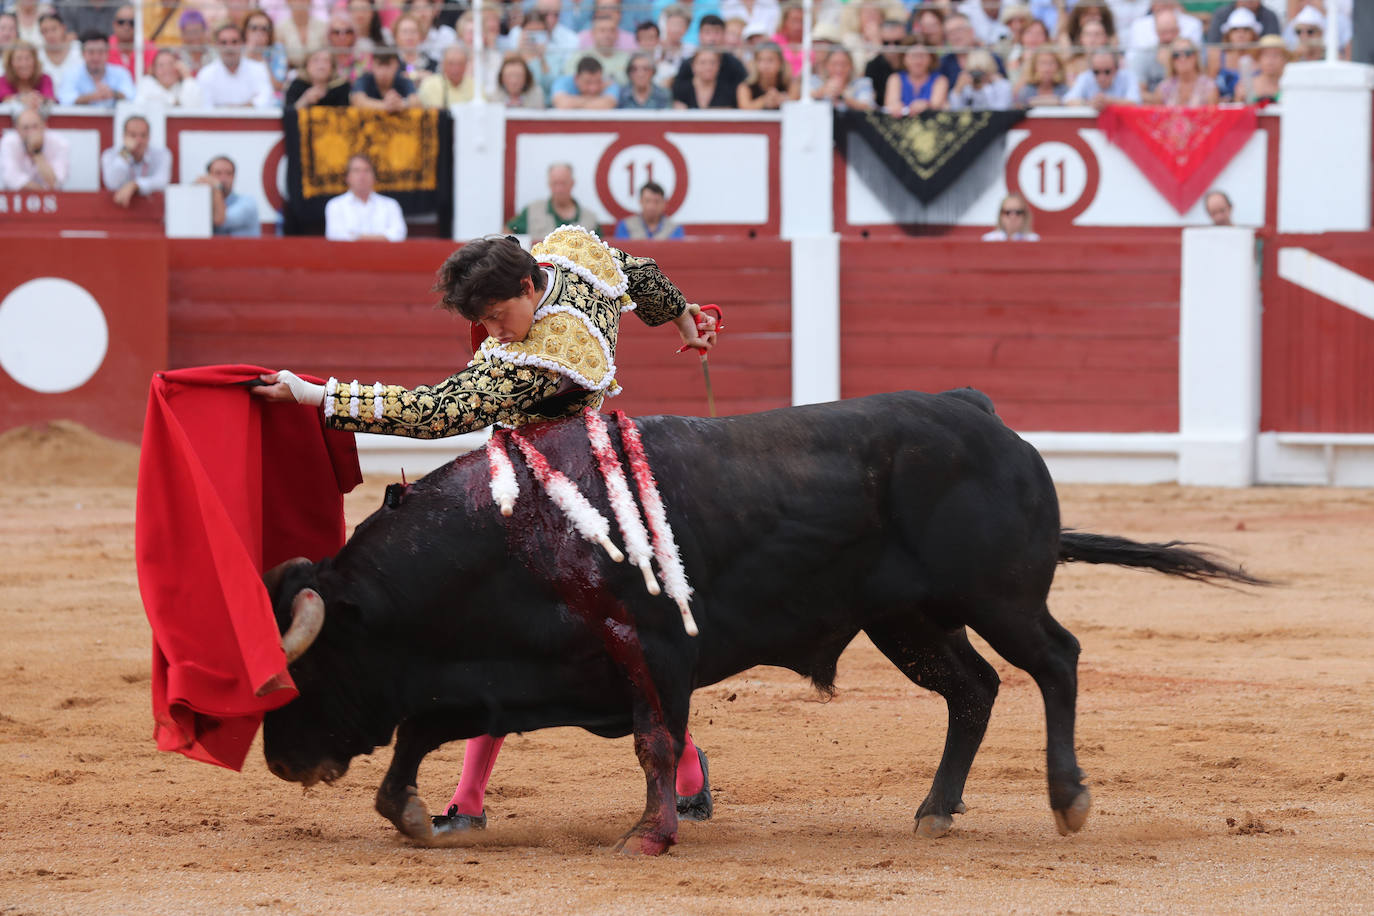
(138, 41)
(478, 36)
(807, 7)
(1333, 38)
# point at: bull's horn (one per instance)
(307, 618)
(272, 578)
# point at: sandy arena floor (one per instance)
(1228, 740)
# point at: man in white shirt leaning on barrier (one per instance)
(361, 215)
(135, 167)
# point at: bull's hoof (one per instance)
(932, 826)
(453, 822)
(646, 844)
(1071, 819)
(698, 807)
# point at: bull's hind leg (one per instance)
(397, 798)
(946, 663)
(1036, 643)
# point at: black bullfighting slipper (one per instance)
(697, 807)
(453, 821)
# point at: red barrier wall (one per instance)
(127, 278)
(1063, 335)
(1316, 355)
(366, 310)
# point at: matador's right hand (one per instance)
(289, 387)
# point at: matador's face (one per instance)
(509, 320)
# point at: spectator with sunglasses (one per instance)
(1014, 222)
(1306, 33)
(122, 42)
(1222, 21)
(1186, 84)
(1103, 83)
(260, 44)
(342, 40)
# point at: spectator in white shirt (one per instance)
(165, 86)
(359, 215)
(1143, 35)
(135, 167)
(232, 81)
(33, 158)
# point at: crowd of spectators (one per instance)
(901, 56)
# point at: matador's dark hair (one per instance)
(484, 271)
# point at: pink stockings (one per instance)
(480, 757)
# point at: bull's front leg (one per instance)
(657, 752)
(397, 798)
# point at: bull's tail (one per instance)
(1174, 558)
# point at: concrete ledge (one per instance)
(1316, 459)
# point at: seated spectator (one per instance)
(516, 86)
(733, 40)
(1033, 37)
(318, 83)
(646, 38)
(33, 158)
(367, 26)
(1186, 84)
(384, 87)
(862, 26)
(99, 83)
(165, 86)
(961, 38)
(435, 37)
(1093, 37)
(640, 90)
(25, 84)
(560, 208)
(1076, 23)
(260, 44)
(732, 69)
(928, 24)
(231, 80)
(651, 222)
(791, 26)
(1306, 34)
(672, 52)
(1239, 33)
(1013, 222)
(1146, 36)
(361, 215)
(918, 86)
(889, 60)
(1268, 22)
(415, 64)
(589, 38)
(605, 47)
(452, 85)
(300, 30)
(83, 16)
(979, 86)
(195, 51)
(1105, 83)
(59, 55)
(1219, 205)
(1262, 88)
(343, 43)
(1014, 18)
(1151, 67)
(492, 52)
(772, 84)
(547, 51)
(1043, 80)
(708, 87)
(840, 86)
(589, 88)
(26, 15)
(122, 42)
(135, 167)
(231, 214)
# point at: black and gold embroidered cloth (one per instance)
(926, 152)
(412, 150)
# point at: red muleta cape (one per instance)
(228, 486)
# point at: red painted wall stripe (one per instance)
(1063, 335)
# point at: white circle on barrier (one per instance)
(632, 167)
(1053, 176)
(53, 335)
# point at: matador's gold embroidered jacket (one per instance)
(570, 348)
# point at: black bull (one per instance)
(911, 517)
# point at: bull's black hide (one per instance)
(907, 516)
